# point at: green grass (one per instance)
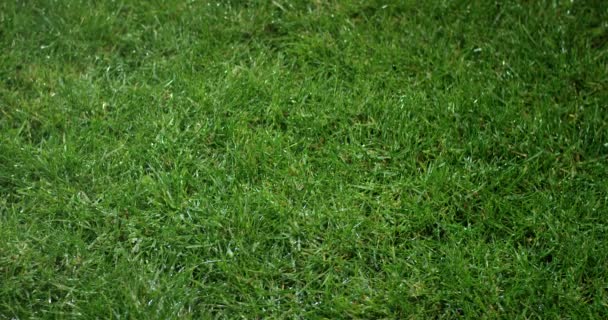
(304, 159)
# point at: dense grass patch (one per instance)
(303, 159)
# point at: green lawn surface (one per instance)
(304, 159)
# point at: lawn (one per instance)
(304, 159)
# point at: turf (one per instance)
(303, 159)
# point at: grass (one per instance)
(303, 159)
